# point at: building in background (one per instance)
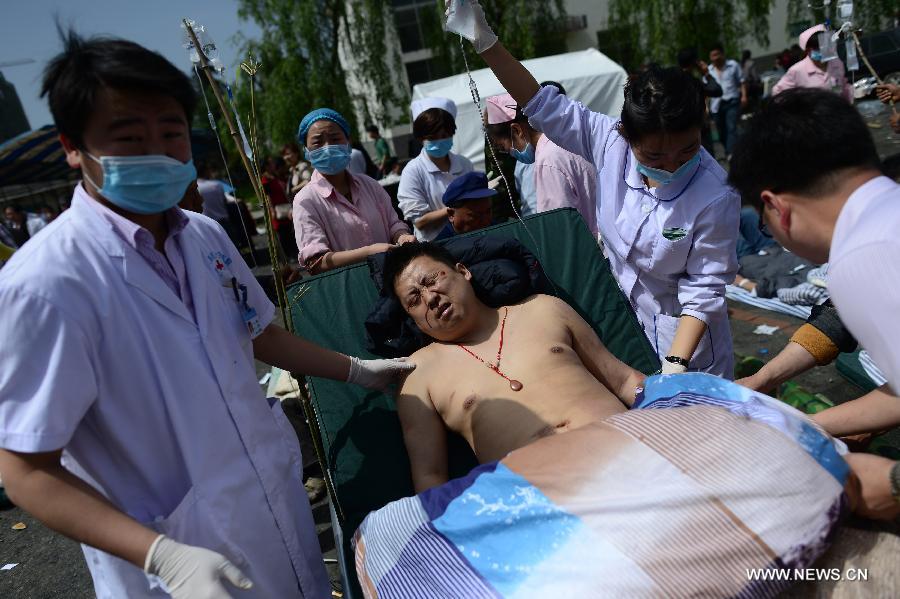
(12, 116)
(587, 26)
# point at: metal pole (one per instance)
(261, 195)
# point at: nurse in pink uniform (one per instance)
(562, 179)
(667, 217)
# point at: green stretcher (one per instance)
(357, 433)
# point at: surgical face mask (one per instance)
(147, 184)
(666, 177)
(438, 148)
(525, 156)
(331, 159)
(815, 55)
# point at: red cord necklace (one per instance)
(513, 383)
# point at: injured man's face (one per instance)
(438, 297)
(502, 377)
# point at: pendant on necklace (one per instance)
(515, 385)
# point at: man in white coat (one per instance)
(130, 415)
(822, 194)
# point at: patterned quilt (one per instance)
(702, 482)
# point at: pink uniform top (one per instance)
(564, 180)
(169, 266)
(326, 221)
(806, 74)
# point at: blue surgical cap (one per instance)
(317, 115)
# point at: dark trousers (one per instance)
(726, 123)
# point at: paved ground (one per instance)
(50, 566)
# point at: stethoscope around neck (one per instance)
(644, 191)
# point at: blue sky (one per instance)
(28, 30)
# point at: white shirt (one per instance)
(864, 270)
(357, 164)
(422, 187)
(672, 248)
(730, 79)
(155, 407)
(213, 199)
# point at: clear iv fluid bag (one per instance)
(852, 60)
(827, 46)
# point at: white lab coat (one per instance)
(671, 248)
(160, 413)
(422, 187)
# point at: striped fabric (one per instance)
(733, 292)
(871, 369)
(678, 497)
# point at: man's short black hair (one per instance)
(434, 121)
(717, 46)
(398, 258)
(85, 66)
(371, 128)
(687, 58)
(797, 141)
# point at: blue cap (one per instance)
(317, 115)
(471, 186)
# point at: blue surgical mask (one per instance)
(146, 184)
(331, 159)
(525, 156)
(438, 148)
(815, 55)
(665, 177)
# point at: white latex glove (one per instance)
(377, 374)
(670, 368)
(192, 572)
(466, 17)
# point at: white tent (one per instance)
(588, 76)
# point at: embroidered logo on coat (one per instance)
(674, 233)
(221, 266)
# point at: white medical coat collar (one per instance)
(456, 165)
(135, 269)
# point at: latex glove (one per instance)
(466, 17)
(377, 374)
(670, 368)
(192, 572)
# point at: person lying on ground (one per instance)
(535, 349)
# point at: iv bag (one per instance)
(852, 60)
(827, 46)
(460, 18)
(845, 10)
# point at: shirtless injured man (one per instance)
(586, 487)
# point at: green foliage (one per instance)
(301, 67)
(528, 29)
(655, 30)
(870, 15)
